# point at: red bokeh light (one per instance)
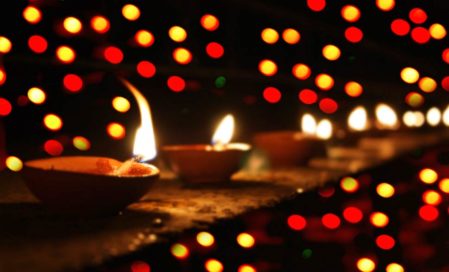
(308, 96)
(53, 147)
(272, 95)
(385, 242)
(214, 50)
(353, 215)
(176, 83)
(428, 213)
(140, 266)
(327, 192)
(37, 44)
(445, 55)
(417, 15)
(296, 222)
(331, 221)
(445, 83)
(353, 34)
(146, 69)
(400, 27)
(73, 83)
(328, 105)
(113, 54)
(420, 35)
(316, 5)
(5, 107)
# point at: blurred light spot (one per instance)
(444, 83)
(246, 268)
(245, 240)
(53, 147)
(37, 44)
(272, 95)
(437, 31)
(433, 116)
(32, 14)
(209, 22)
(385, 5)
(316, 5)
(14, 163)
(5, 45)
(72, 25)
(427, 84)
(385, 190)
(428, 213)
(385, 242)
(113, 54)
(121, 104)
(394, 267)
(420, 35)
(331, 52)
(296, 222)
(379, 219)
(176, 83)
(353, 89)
(205, 239)
(409, 75)
(353, 214)
(417, 15)
(328, 105)
(73, 83)
(213, 265)
(291, 36)
(52, 122)
(116, 131)
(414, 99)
(308, 96)
(444, 185)
(349, 184)
(180, 251)
(431, 197)
(445, 55)
(446, 116)
(140, 266)
(182, 56)
(5, 107)
(324, 81)
(330, 221)
(366, 265)
(268, 67)
(2, 76)
(307, 253)
(146, 69)
(301, 71)
(400, 27)
(177, 34)
(326, 192)
(131, 12)
(350, 13)
(428, 176)
(81, 143)
(65, 54)
(144, 38)
(214, 50)
(353, 34)
(269, 35)
(36, 95)
(220, 82)
(100, 24)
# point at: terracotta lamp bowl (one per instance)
(204, 163)
(88, 185)
(288, 148)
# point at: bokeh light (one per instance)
(246, 268)
(366, 265)
(2, 76)
(420, 35)
(331, 221)
(176, 83)
(113, 54)
(349, 184)
(433, 116)
(428, 176)
(140, 266)
(445, 55)
(213, 265)
(353, 34)
(52, 122)
(13, 163)
(316, 5)
(353, 89)
(131, 12)
(427, 84)
(65, 54)
(417, 15)
(307, 96)
(324, 82)
(209, 22)
(385, 190)
(414, 99)
(144, 38)
(36, 95)
(431, 197)
(385, 5)
(379, 219)
(5, 45)
(205, 239)
(121, 104)
(437, 31)
(182, 56)
(245, 240)
(32, 14)
(268, 67)
(444, 185)
(37, 44)
(350, 13)
(296, 222)
(328, 105)
(53, 147)
(291, 36)
(301, 71)
(5, 107)
(214, 50)
(180, 251)
(146, 69)
(331, 52)
(394, 267)
(81, 143)
(72, 25)
(272, 95)
(100, 24)
(400, 27)
(269, 35)
(353, 215)
(385, 242)
(409, 75)
(73, 83)
(116, 131)
(428, 213)
(177, 34)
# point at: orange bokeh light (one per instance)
(379, 219)
(52, 122)
(428, 176)
(32, 14)
(65, 54)
(209, 22)
(427, 84)
(269, 35)
(144, 38)
(100, 24)
(385, 5)
(131, 12)
(350, 13)
(291, 36)
(116, 131)
(324, 82)
(353, 89)
(177, 34)
(268, 67)
(301, 71)
(182, 56)
(437, 31)
(431, 197)
(72, 25)
(5, 45)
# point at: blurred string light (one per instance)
(272, 95)
(176, 83)
(330, 221)
(180, 251)
(213, 265)
(182, 56)
(349, 184)
(81, 143)
(177, 34)
(36, 95)
(352, 214)
(269, 35)
(5, 107)
(331, 52)
(214, 50)
(353, 34)
(65, 54)
(433, 116)
(385, 5)
(131, 12)
(301, 71)
(146, 69)
(5, 45)
(400, 27)
(353, 89)
(409, 75)
(73, 83)
(428, 175)
(121, 104)
(437, 31)
(53, 147)
(32, 14)
(291, 36)
(324, 82)
(394, 267)
(116, 131)
(385, 190)
(209, 22)
(296, 222)
(417, 16)
(245, 240)
(113, 54)
(350, 13)
(100, 24)
(379, 219)
(366, 265)
(13, 163)
(144, 38)
(414, 99)
(431, 197)
(268, 67)
(308, 96)
(53, 122)
(37, 44)
(205, 239)
(316, 5)
(72, 25)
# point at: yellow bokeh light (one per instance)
(121, 104)
(209, 22)
(205, 239)
(268, 67)
(246, 268)
(385, 190)
(144, 38)
(5, 45)
(291, 36)
(409, 75)
(32, 14)
(65, 54)
(379, 219)
(245, 240)
(431, 197)
(444, 185)
(52, 122)
(394, 267)
(324, 81)
(269, 35)
(301, 71)
(182, 55)
(72, 25)
(385, 5)
(350, 13)
(353, 89)
(177, 34)
(131, 12)
(116, 131)
(180, 251)
(14, 164)
(36, 95)
(428, 176)
(427, 84)
(437, 31)
(100, 24)
(81, 143)
(366, 265)
(213, 265)
(331, 52)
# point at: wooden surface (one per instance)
(31, 237)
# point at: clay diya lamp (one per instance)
(294, 148)
(207, 164)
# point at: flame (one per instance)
(144, 142)
(413, 118)
(446, 116)
(358, 119)
(433, 116)
(324, 129)
(308, 124)
(386, 117)
(225, 130)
